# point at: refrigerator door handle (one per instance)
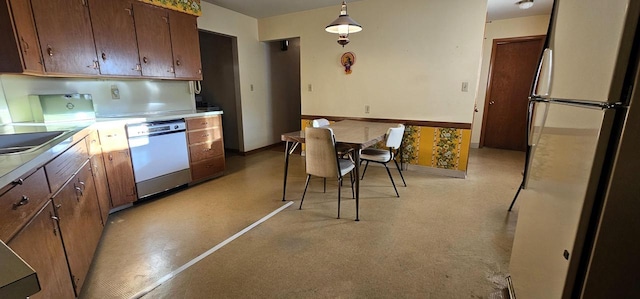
(542, 83)
(535, 130)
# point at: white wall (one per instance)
(136, 96)
(255, 104)
(411, 59)
(517, 27)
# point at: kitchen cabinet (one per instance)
(154, 40)
(118, 166)
(21, 51)
(65, 36)
(115, 37)
(206, 147)
(99, 175)
(80, 223)
(60, 169)
(40, 246)
(20, 201)
(186, 45)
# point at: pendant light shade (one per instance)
(343, 25)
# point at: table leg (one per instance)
(288, 150)
(356, 158)
(286, 167)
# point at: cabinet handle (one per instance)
(55, 219)
(25, 45)
(94, 65)
(110, 157)
(104, 56)
(50, 51)
(205, 123)
(18, 182)
(171, 70)
(145, 59)
(199, 71)
(206, 149)
(166, 19)
(205, 135)
(130, 11)
(23, 201)
(137, 68)
(178, 62)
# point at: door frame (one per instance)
(487, 97)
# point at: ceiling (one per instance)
(497, 9)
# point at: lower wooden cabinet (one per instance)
(118, 166)
(39, 245)
(80, 223)
(206, 147)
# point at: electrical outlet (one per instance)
(115, 92)
(465, 86)
(366, 109)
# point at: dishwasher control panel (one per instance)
(155, 128)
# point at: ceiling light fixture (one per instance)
(343, 25)
(525, 4)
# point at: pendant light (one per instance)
(343, 25)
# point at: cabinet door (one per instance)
(40, 246)
(115, 37)
(154, 40)
(80, 223)
(186, 45)
(26, 34)
(65, 35)
(119, 170)
(102, 187)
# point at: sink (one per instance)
(18, 143)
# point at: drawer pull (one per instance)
(18, 182)
(205, 135)
(206, 149)
(205, 123)
(80, 190)
(23, 201)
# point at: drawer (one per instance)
(205, 150)
(206, 135)
(203, 122)
(113, 139)
(21, 203)
(60, 169)
(207, 168)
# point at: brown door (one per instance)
(26, 30)
(154, 40)
(115, 36)
(513, 67)
(186, 47)
(66, 38)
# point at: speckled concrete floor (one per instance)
(443, 238)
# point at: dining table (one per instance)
(355, 134)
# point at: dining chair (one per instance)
(322, 160)
(342, 151)
(384, 156)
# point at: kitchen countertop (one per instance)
(15, 165)
(17, 279)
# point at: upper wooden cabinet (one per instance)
(154, 40)
(98, 38)
(65, 35)
(24, 50)
(115, 37)
(186, 45)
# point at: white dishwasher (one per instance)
(160, 156)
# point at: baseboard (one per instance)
(475, 145)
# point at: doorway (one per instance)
(220, 84)
(284, 65)
(511, 72)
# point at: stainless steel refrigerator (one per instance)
(578, 228)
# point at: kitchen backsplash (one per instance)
(135, 96)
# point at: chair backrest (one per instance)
(320, 122)
(320, 152)
(394, 136)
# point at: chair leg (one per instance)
(305, 191)
(325, 184)
(339, 184)
(398, 167)
(353, 193)
(392, 182)
(365, 170)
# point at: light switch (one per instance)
(465, 86)
(115, 92)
